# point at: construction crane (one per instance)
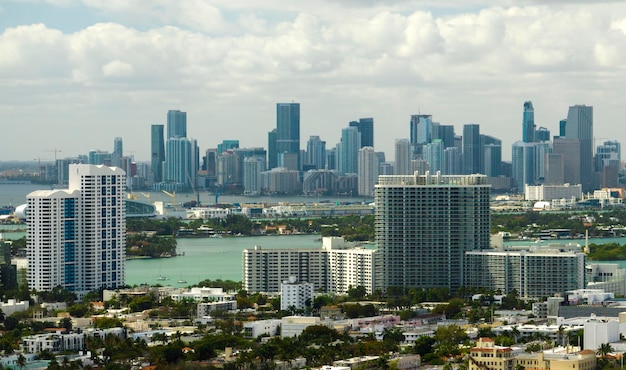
(193, 188)
(171, 195)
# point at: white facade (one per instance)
(367, 171)
(552, 192)
(332, 269)
(349, 267)
(205, 213)
(12, 306)
(252, 168)
(254, 329)
(295, 295)
(599, 331)
(609, 277)
(77, 236)
(534, 272)
(203, 294)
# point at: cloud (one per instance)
(230, 61)
(117, 68)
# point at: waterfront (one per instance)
(208, 258)
(15, 194)
(221, 258)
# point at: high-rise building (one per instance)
(366, 129)
(569, 151)
(542, 134)
(424, 224)
(316, 153)
(272, 154)
(226, 145)
(97, 157)
(176, 124)
(116, 156)
(492, 159)
(348, 159)
(452, 163)
(528, 123)
(421, 132)
(252, 168)
(471, 149)
(562, 127)
(524, 171)
(402, 165)
(288, 128)
(157, 148)
(433, 154)
(368, 171)
(178, 162)
(533, 273)
(77, 236)
(608, 154)
(580, 126)
(443, 132)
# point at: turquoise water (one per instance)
(208, 258)
(221, 258)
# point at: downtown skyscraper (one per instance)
(579, 126)
(181, 154)
(366, 129)
(157, 149)
(287, 129)
(77, 236)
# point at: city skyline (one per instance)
(100, 71)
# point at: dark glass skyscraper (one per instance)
(421, 132)
(471, 149)
(176, 124)
(528, 123)
(366, 129)
(288, 128)
(272, 155)
(157, 146)
(580, 126)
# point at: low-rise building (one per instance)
(203, 294)
(255, 329)
(486, 355)
(12, 306)
(293, 326)
(205, 308)
(583, 360)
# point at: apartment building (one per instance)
(76, 236)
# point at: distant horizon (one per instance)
(75, 75)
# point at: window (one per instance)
(104, 202)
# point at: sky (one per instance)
(75, 74)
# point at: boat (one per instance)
(162, 278)
(182, 281)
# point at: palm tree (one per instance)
(604, 349)
(21, 361)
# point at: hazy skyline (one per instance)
(76, 74)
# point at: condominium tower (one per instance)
(424, 224)
(77, 236)
(287, 128)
